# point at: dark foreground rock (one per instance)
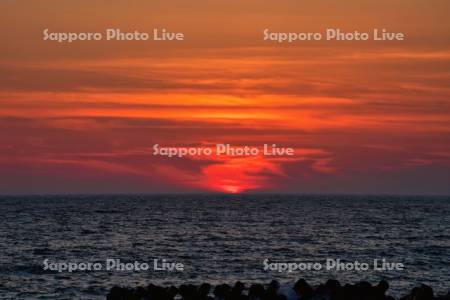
(331, 290)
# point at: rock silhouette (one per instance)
(331, 290)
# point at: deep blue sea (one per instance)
(219, 239)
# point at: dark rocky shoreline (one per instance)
(331, 290)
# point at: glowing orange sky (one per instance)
(363, 117)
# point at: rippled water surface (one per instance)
(218, 239)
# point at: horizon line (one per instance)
(222, 194)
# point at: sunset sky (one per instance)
(364, 117)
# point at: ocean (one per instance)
(218, 239)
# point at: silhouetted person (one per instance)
(256, 292)
(222, 291)
(303, 289)
(119, 293)
(424, 292)
(171, 292)
(236, 291)
(188, 292)
(333, 288)
(271, 291)
(380, 290)
(203, 291)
